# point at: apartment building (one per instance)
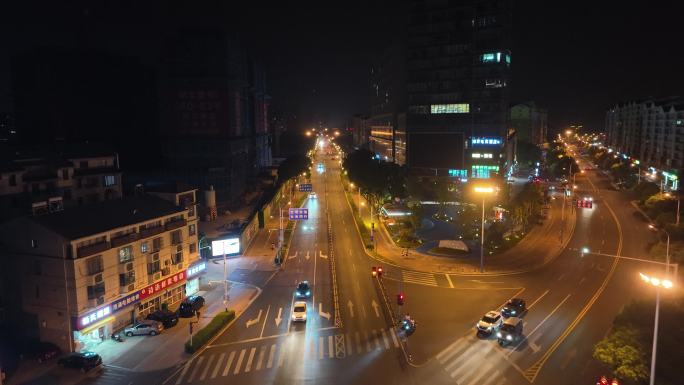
(37, 184)
(89, 271)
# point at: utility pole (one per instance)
(225, 283)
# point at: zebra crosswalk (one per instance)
(471, 361)
(108, 375)
(270, 355)
(418, 277)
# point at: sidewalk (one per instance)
(541, 245)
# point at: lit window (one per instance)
(109, 180)
(477, 155)
(488, 57)
(459, 108)
(495, 83)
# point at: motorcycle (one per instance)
(117, 337)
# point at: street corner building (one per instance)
(81, 274)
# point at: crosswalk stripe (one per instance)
(281, 356)
(394, 338)
(270, 357)
(385, 338)
(218, 365)
(320, 348)
(484, 371)
(470, 357)
(206, 368)
(194, 370)
(449, 349)
(239, 361)
(231, 357)
(349, 348)
(368, 345)
(492, 378)
(248, 366)
(376, 338)
(331, 352)
(185, 369)
(419, 277)
(260, 361)
(455, 348)
(358, 342)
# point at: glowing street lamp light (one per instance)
(484, 190)
(658, 283)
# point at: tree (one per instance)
(622, 351)
(645, 190)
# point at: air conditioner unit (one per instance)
(166, 271)
(100, 300)
(129, 266)
(97, 278)
(131, 287)
(157, 276)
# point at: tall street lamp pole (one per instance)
(483, 191)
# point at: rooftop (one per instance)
(100, 217)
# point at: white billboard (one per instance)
(225, 246)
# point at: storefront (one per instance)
(169, 291)
(195, 271)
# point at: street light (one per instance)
(484, 191)
(658, 283)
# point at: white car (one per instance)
(299, 311)
(490, 323)
(312, 195)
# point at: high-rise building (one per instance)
(440, 98)
(651, 131)
(214, 113)
(529, 122)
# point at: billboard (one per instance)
(225, 246)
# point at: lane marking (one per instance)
(281, 356)
(206, 368)
(194, 370)
(271, 354)
(394, 338)
(527, 337)
(254, 321)
(385, 338)
(368, 345)
(248, 366)
(320, 348)
(376, 308)
(218, 365)
(260, 360)
(265, 318)
(331, 352)
(278, 319)
(185, 369)
(239, 362)
(358, 343)
(537, 300)
(349, 349)
(492, 378)
(489, 366)
(451, 284)
(350, 305)
(231, 357)
(376, 338)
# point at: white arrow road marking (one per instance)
(307, 255)
(294, 256)
(375, 307)
(323, 255)
(322, 313)
(278, 319)
(254, 321)
(535, 348)
(351, 308)
(478, 281)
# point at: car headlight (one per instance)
(489, 328)
(508, 337)
(498, 335)
(512, 311)
(308, 293)
(299, 293)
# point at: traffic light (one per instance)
(400, 299)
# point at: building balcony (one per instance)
(176, 224)
(124, 239)
(146, 233)
(93, 249)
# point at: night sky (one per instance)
(576, 58)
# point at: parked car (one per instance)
(167, 318)
(190, 305)
(84, 361)
(144, 328)
(43, 351)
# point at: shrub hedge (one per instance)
(206, 333)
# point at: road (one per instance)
(349, 337)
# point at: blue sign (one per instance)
(125, 301)
(463, 174)
(197, 268)
(305, 187)
(483, 141)
(297, 214)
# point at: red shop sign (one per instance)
(162, 285)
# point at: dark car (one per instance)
(84, 361)
(190, 305)
(167, 318)
(43, 351)
(514, 308)
(303, 290)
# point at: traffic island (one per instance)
(205, 334)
